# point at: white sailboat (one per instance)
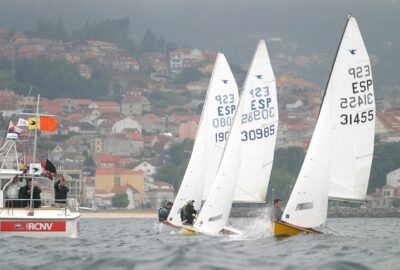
(48, 220)
(259, 118)
(213, 131)
(339, 158)
(246, 164)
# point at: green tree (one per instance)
(120, 200)
(189, 75)
(173, 171)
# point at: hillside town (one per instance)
(109, 147)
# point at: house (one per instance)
(159, 192)
(137, 142)
(188, 130)
(106, 179)
(135, 105)
(184, 57)
(385, 197)
(149, 170)
(110, 105)
(152, 123)
(119, 144)
(127, 124)
(393, 178)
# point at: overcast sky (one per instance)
(230, 26)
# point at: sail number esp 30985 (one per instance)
(261, 107)
(362, 96)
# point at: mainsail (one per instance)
(249, 150)
(353, 117)
(339, 156)
(259, 127)
(213, 131)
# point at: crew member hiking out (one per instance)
(188, 213)
(163, 212)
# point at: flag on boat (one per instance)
(46, 123)
(22, 122)
(12, 128)
(49, 168)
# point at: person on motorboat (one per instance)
(60, 190)
(163, 212)
(188, 213)
(13, 190)
(276, 211)
(25, 193)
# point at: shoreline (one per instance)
(118, 214)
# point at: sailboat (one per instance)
(247, 160)
(338, 161)
(48, 220)
(212, 134)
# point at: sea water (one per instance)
(356, 243)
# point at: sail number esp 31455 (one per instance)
(362, 96)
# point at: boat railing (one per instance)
(69, 204)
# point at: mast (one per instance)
(34, 153)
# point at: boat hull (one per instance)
(283, 229)
(43, 223)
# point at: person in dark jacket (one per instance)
(188, 213)
(60, 190)
(25, 193)
(163, 212)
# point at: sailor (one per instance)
(60, 190)
(163, 212)
(188, 213)
(25, 193)
(12, 191)
(276, 211)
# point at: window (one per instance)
(117, 180)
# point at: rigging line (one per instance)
(248, 193)
(29, 93)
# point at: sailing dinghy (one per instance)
(213, 131)
(338, 161)
(248, 155)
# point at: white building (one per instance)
(125, 125)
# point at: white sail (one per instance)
(214, 126)
(259, 126)
(215, 212)
(308, 203)
(353, 121)
(339, 157)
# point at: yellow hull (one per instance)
(286, 229)
(188, 232)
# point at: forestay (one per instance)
(259, 126)
(353, 106)
(214, 126)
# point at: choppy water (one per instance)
(133, 244)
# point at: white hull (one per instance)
(45, 222)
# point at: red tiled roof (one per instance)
(135, 136)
